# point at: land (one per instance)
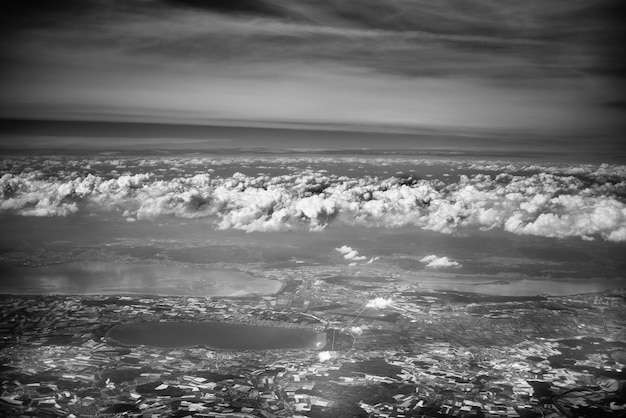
(420, 352)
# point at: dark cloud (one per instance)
(466, 18)
(23, 8)
(25, 14)
(238, 7)
(255, 57)
(415, 37)
(618, 104)
(597, 28)
(418, 37)
(613, 37)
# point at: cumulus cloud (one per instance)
(344, 249)
(550, 201)
(350, 254)
(435, 262)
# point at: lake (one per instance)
(106, 278)
(215, 335)
(524, 287)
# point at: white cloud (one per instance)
(435, 262)
(344, 249)
(350, 254)
(539, 200)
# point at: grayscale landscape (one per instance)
(312, 209)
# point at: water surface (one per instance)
(215, 335)
(524, 287)
(100, 278)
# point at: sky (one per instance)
(462, 64)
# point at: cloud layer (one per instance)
(447, 63)
(583, 201)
